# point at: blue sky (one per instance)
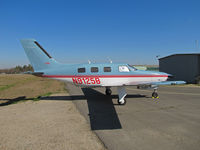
(130, 31)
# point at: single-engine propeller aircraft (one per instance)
(94, 74)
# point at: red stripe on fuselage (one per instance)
(103, 76)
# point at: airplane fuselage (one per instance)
(108, 75)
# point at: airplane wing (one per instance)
(156, 84)
(169, 83)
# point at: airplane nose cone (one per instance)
(167, 74)
(170, 76)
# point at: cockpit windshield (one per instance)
(132, 68)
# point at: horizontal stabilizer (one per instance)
(28, 72)
(39, 74)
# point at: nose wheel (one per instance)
(155, 93)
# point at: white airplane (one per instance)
(94, 75)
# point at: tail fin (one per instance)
(37, 56)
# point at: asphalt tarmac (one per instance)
(171, 122)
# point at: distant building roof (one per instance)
(179, 55)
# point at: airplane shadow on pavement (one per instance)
(102, 113)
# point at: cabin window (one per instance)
(123, 69)
(107, 69)
(94, 69)
(81, 70)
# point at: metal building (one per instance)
(183, 66)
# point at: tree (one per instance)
(17, 69)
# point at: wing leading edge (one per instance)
(169, 83)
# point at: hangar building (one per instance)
(183, 66)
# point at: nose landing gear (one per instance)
(155, 93)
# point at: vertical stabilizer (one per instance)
(37, 55)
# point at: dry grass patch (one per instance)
(24, 87)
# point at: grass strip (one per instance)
(24, 99)
(6, 87)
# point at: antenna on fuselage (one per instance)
(110, 60)
(89, 62)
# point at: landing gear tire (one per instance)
(155, 95)
(121, 102)
(108, 91)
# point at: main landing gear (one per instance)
(155, 93)
(108, 91)
(121, 94)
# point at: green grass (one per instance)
(6, 87)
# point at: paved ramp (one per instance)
(172, 122)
